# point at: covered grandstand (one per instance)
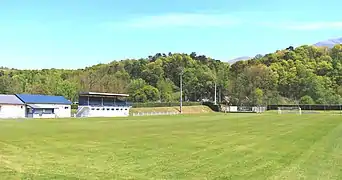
(95, 104)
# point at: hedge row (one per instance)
(139, 105)
(74, 106)
(217, 107)
(212, 106)
(308, 107)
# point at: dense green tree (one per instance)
(152, 93)
(165, 87)
(139, 96)
(136, 85)
(5, 84)
(67, 89)
(283, 77)
(258, 95)
(306, 100)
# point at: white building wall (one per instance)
(106, 111)
(231, 109)
(12, 111)
(63, 111)
(112, 112)
(60, 111)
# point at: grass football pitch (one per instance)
(206, 146)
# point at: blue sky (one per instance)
(78, 33)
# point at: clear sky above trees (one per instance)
(78, 33)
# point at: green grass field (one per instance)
(203, 146)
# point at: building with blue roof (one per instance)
(11, 107)
(45, 106)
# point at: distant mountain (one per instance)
(329, 43)
(242, 58)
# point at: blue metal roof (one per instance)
(42, 99)
(10, 99)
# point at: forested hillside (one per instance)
(305, 74)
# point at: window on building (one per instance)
(21, 107)
(108, 109)
(92, 109)
(48, 111)
(98, 109)
(66, 107)
(38, 111)
(117, 109)
(103, 109)
(125, 109)
(113, 109)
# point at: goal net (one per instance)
(289, 110)
(244, 109)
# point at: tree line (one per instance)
(306, 75)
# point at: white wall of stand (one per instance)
(103, 111)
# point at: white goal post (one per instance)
(289, 110)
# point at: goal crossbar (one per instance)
(289, 110)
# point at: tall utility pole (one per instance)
(215, 95)
(181, 92)
(220, 96)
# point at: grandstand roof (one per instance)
(101, 94)
(42, 99)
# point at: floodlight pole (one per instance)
(215, 95)
(181, 92)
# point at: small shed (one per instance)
(11, 107)
(45, 106)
